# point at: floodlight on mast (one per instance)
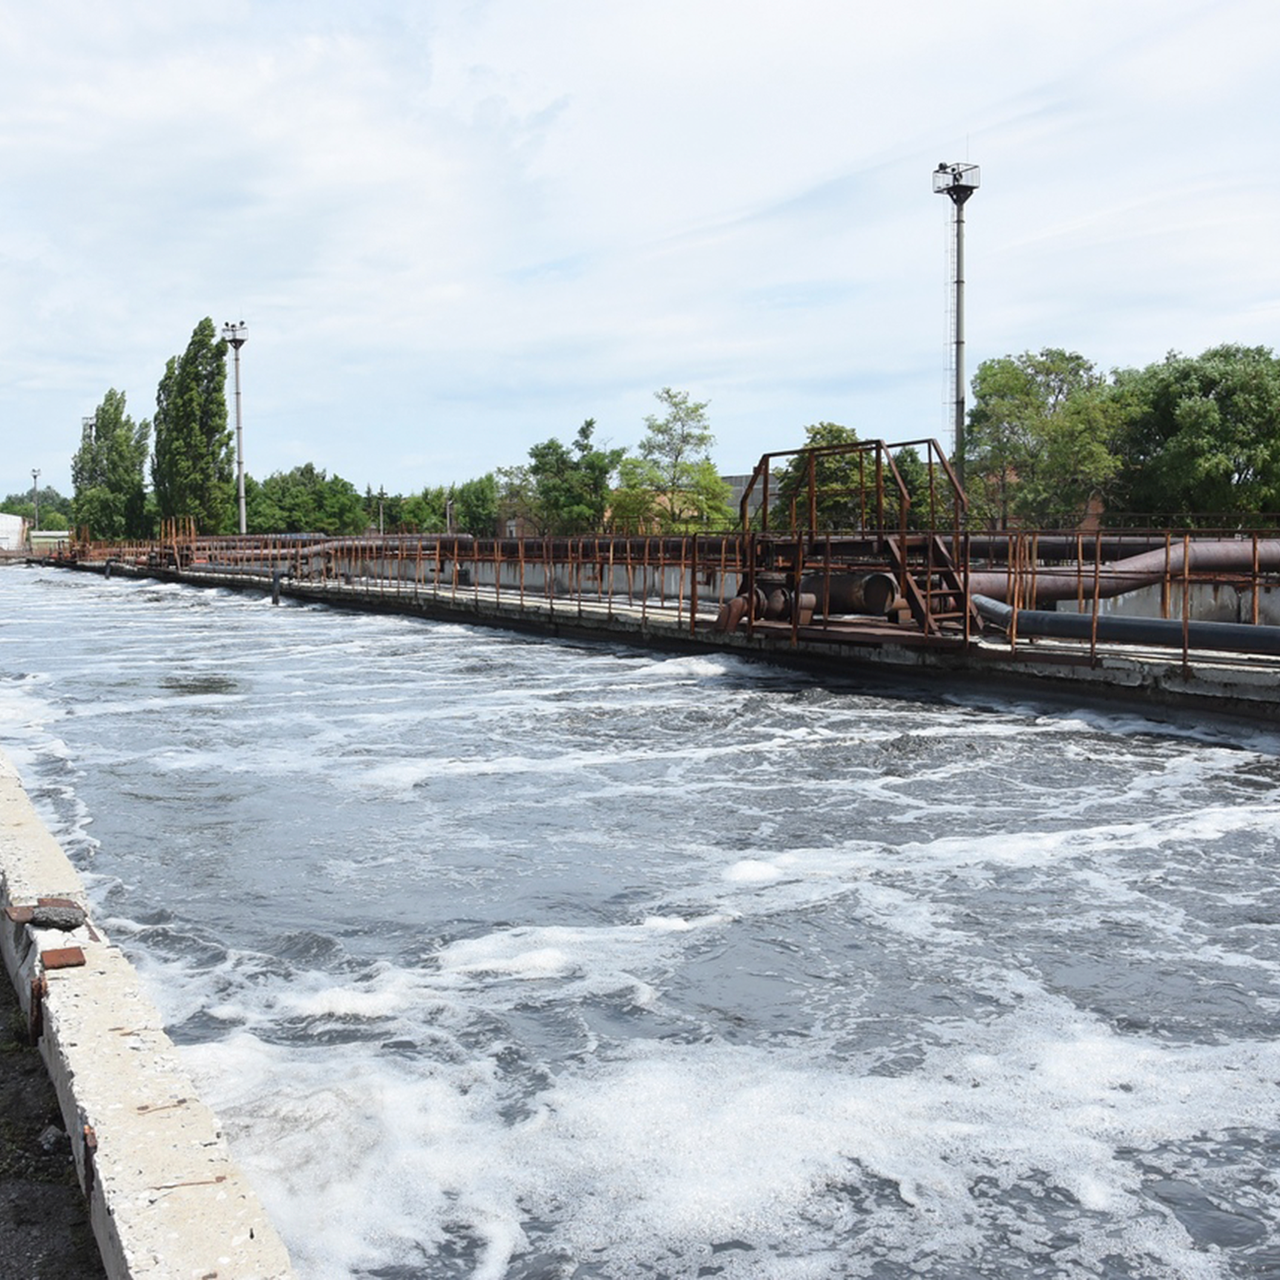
(958, 182)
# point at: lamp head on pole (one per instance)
(234, 333)
(959, 181)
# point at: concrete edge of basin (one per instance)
(165, 1197)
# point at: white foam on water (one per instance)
(759, 871)
(593, 1084)
(907, 914)
(410, 1157)
(661, 1152)
(396, 775)
(690, 667)
(581, 961)
(689, 1145)
(24, 702)
(385, 993)
(1031, 848)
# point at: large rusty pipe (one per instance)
(741, 606)
(867, 593)
(820, 594)
(1146, 570)
(782, 604)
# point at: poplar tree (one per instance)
(108, 472)
(193, 469)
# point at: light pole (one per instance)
(234, 334)
(959, 182)
(35, 496)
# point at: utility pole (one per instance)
(959, 182)
(35, 497)
(234, 334)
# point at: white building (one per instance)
(13, 532)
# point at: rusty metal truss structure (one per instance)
(832, 546)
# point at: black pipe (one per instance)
(1229, 637)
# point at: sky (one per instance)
(456, 228)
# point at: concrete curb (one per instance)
(165, 1199)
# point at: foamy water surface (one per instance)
(506, 958)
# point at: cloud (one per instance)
(457, 230)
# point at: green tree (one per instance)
(108, 472)
(382, 510)
(517, 497)
(922, 513)
(1040, 444)
(1202, 434)
(707, 499)
(55, 509)
(428, 511)
(634, 504)
(406, 513)
(304, 500)
(675, 466)
(475, 507)
(843, 488)
(193, 465)
(565, 490)
(1082, 460)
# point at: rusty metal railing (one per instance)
(693, 580)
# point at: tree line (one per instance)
(1051, 441)
(186, 452)
(1186, 441)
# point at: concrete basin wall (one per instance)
(165, 1198)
